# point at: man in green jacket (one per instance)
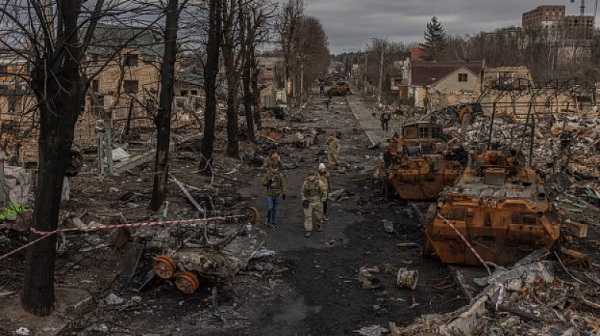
(274, 184)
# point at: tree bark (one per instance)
(61, 97)
(255, 91)
(211, 69)
(162, 120)
(246, 69)
(233, 148)
(231, 60)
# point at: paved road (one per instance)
(363, 111)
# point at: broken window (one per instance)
(184, 93)
(462, 77)
(423, 132)
(194, 92)
(131, 60)
(95, 86)
(130, 86)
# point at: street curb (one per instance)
(357, 119)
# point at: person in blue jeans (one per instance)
(274, 184)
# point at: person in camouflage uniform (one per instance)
(274, 182)
(333, 150)
(325, 179)
(313, 196)
(273, 161)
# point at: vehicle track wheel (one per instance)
(164, 267)
(187, 282)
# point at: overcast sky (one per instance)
(350, 23)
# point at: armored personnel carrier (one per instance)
(499, 205)
(418, 165)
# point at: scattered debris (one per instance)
(367, 279)
(113, 299)
(407, 278)
(373, 330)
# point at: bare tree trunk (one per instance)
(162, 120)
(247, 51)
(255, 93)
(211, 69)
(233, 148)
(231, 58)
(63, 98)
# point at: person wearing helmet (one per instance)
(313, 196)
(274, 183)
(333, 150)
(325, 179)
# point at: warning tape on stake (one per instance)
(46, 234)
(467, 243)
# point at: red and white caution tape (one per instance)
(115, 226)
(23, 247)
(467, 243)
(45, 234)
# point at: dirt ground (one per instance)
(311, 286)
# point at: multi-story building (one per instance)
(578, 27)
(554, 20)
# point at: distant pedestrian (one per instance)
(385, 119)
(274, 182)
(333, 150)
(313, 196)
(325, 179)
(327, 102)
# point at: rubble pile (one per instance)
(526, 299)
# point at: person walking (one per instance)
(385, 119)
(313, 196)
(333, 150)
(274, 183)
(327, 102)
(273, 161)
(325, 179)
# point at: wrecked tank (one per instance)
(418, 165)
(499, 205)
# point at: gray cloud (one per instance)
(350, 23)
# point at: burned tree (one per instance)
(53, 37)
(255, 19)
(287, 26)
(162, 119)
(211, 70)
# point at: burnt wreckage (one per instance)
(499, 204)
(419, 165)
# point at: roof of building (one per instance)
(191, 78)
(107, 37)
(426, 73)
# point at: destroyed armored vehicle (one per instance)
(418, 165)
(499, 205)
(340, 89)
(206, 252)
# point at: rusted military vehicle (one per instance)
(418, 165)
(499, 205)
